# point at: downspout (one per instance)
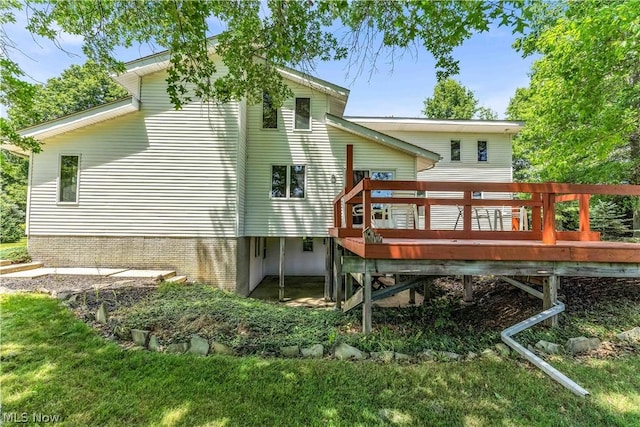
(558, 376)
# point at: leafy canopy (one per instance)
(582, 107)
(257, 37)
(452, 100)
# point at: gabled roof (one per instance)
(419, 124)
(160, 61)
(83, 118)
(426, 158)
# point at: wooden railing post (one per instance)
(366, 205)
(466, 212)
(585, 222)
(549, 224)
(427, 216)
(536, 214)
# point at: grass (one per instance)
(54, 364)
(22, 243)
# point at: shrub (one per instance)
(12, 221)
(608, 220)
(17, 255)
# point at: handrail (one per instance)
(542, 202)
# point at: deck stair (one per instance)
(4, 262)
(13, 268)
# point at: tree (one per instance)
(582, 108)
(78, 88)
(451, 100)
(257, 38)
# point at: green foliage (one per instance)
(251, 326)
(451, 100)
(16, 254)
(607, 218)
(582, 108)
(11, 221)
(14, 176)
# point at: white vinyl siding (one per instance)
(242, 167)
(324, 153)
(497, 168)
(157, 172)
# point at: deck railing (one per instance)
(539, 200)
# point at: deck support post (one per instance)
(467, 282)
(412, 296)
(367, 306)
(550, 297)
(427, 289)
(281, 271)
(328, 270)
(337, 274)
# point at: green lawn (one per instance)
(54, 364)
(22, 243)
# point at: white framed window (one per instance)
(455, 150)
(482, 151)
(269, 112)
(303, 114)
(307, 244)
(288, 181)
(68, 178)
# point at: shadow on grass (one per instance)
(55, 364)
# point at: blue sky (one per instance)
(488, 65)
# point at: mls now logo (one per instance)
(24, 417)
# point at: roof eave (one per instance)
(84, 118)
(382, 138)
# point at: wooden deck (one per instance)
(492, 250)
(534, 247)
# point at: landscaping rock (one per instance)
(199, 345)
(471, 355)
(489, 353)
(448, 355)
(316, 351)
(582, 344)
(427, 355)
(140, 337)
(383, 356)
(179, 348)
(290, 351)
(220, 348)
(401, 356)
(346, 352)
(63, 294)
(549, 347)
(154, 345)
(630, 335)
(503, 349)
(102, 316)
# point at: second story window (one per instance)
(455, 151)
(482, 151)
(288, 182)
(303, 114)
(269, 113)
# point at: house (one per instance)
(221, 192)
